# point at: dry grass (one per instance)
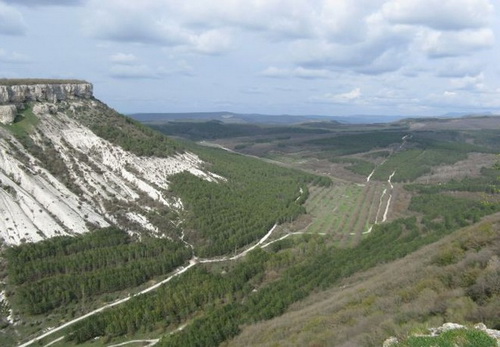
(470, 167)
(422, 290)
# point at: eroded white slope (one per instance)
(34, 205)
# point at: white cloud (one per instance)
(370, 37)
(123, 58)
(275, 72)
(298, 72)
(440, 14)
(133, 72)
(458, 69)
(283, 19)
(405, 48)
(301, 72)
(464, 100)
(211, 42)
(341, 98)
(133, 21)
(11, 21)
(46, 2)
(128, 66)
(353, 94)
(13, 57)
(469, 82)
(448, 44)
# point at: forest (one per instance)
(64, 270)
(215, 129)
(317, 268)
(213, 302)
(226, 216)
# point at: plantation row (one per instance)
(420, 152)
(63, 270)
(344, 210)
(346, 144)
(225, 216)
(219, 218)
(488, 182)
(170, 305)
(225, 311)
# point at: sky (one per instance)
(302, 57)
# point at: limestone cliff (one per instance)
(60, 178)
(21, 91)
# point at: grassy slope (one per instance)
(444, 281)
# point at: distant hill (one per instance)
(254, 118)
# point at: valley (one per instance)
(289, 234)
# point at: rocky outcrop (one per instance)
(7, 114)
(434, 332)
(18, 93)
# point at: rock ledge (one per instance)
(20, 91)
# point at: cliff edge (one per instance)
(17, 91)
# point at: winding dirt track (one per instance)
(177, 272)
(192, 262)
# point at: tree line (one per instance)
(64, 270)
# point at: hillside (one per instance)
(74, 165)
(95, 205)
(454, 279)
(313, 235)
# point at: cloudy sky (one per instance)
(328, 57)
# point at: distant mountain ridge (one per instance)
(255, 118)
(230, 117)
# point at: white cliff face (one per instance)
(34, 205)
(16, 94)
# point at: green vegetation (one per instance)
(321, 270)
(318, 267)
(135, 137)
(225, 216)
(451, 338)
(65, 269)
(438, 214)
(218, 130)
(485, 137)
(488, 182)
(195, 291)
(214, 302)
(399, 298)
(377, 154)
(343, 211)
(415, 162)
(45, 151)
(125, 132)
(346, 144)
(24, 124)
(359, 166)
